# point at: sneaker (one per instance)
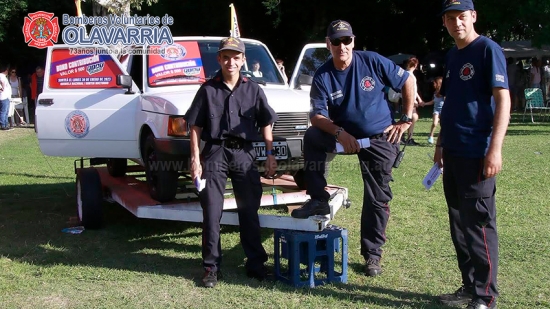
(460, 297)
(210, 278)
(431, 139)
(373, 268)
(311, 208)
(261, 274)
(476, 305)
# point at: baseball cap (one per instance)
(457, 5)
(231, 43)
(339, 28)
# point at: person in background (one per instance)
(547, 79)
(256, 69)
(535, 73)
(281, 67)
(511, 72)
(37, 83)
(410, 66)
(348, 103)
(5, 95)
(474, 120)
(437, 102)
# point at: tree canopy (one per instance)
(385, 26)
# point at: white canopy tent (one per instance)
(524, 49)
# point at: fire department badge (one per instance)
(41, 30)
(467, 71)
(77, 124)
(367, 83)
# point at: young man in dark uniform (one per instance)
(348, 103)
(473, 124)
(226, 113)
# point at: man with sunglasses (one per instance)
(348, 103)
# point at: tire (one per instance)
(300, 178)
(89, 197)
(117, 167)
(162, 183)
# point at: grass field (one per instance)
(138, 263)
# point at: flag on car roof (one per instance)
(235, 32)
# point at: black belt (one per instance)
(377, 136)
(230, 142)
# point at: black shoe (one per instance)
(260, 274)
(210, 278)
(477, 305)
(311, 208)
(411, 142)
(460, 297)
(373, 268)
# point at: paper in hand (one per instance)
(432, 176)
(200, 183)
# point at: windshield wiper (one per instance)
(254, 78)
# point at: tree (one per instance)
(10, 8)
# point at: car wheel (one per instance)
(162, 178)
(89, 196)
(117, 167)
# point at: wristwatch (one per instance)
(405, 118)
(340, 129)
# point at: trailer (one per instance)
(94, 184)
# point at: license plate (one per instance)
(280, 150)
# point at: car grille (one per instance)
(291, 124)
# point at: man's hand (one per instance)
(395, 131)
(350, 143)
(492, 163)
(196, 168)
(270, 166)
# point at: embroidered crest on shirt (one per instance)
(467, 71)
(336, 95)
(400, 72)
(499, 78)
(367, 83)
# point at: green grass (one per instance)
(138, 263)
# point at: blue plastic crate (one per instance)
(317, 251)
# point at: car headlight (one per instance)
(177, 126)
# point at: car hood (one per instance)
(283, 100)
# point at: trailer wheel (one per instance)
(162, 178)
(117, 167)
(89, 196)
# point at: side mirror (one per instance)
(305, 79)
(125, 81)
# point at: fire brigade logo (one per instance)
(467, 71)
(77, 124)
(172, 52)
(367, 83)
(41, 30)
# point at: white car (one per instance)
(131, 107)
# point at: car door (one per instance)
(81, 111)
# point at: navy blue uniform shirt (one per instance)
(223, 113)
(467, 115)
(354, 98)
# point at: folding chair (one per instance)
(534, 101)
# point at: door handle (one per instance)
(45, 101)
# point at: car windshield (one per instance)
(194, 62)
(313, 59)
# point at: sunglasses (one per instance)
(346, 40)
(13, 72)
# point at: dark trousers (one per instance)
(376, 166)
(472, 216)
(218, 163)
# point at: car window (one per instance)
(313, 59)
(82, 71)
(193, 62)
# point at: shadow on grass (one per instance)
(30, 231)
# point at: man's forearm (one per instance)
(194, 141)
(502, 118)
(324, 124)
(268, 137)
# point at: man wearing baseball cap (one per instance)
(469, 148)
(226, 114)
(348, 103)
